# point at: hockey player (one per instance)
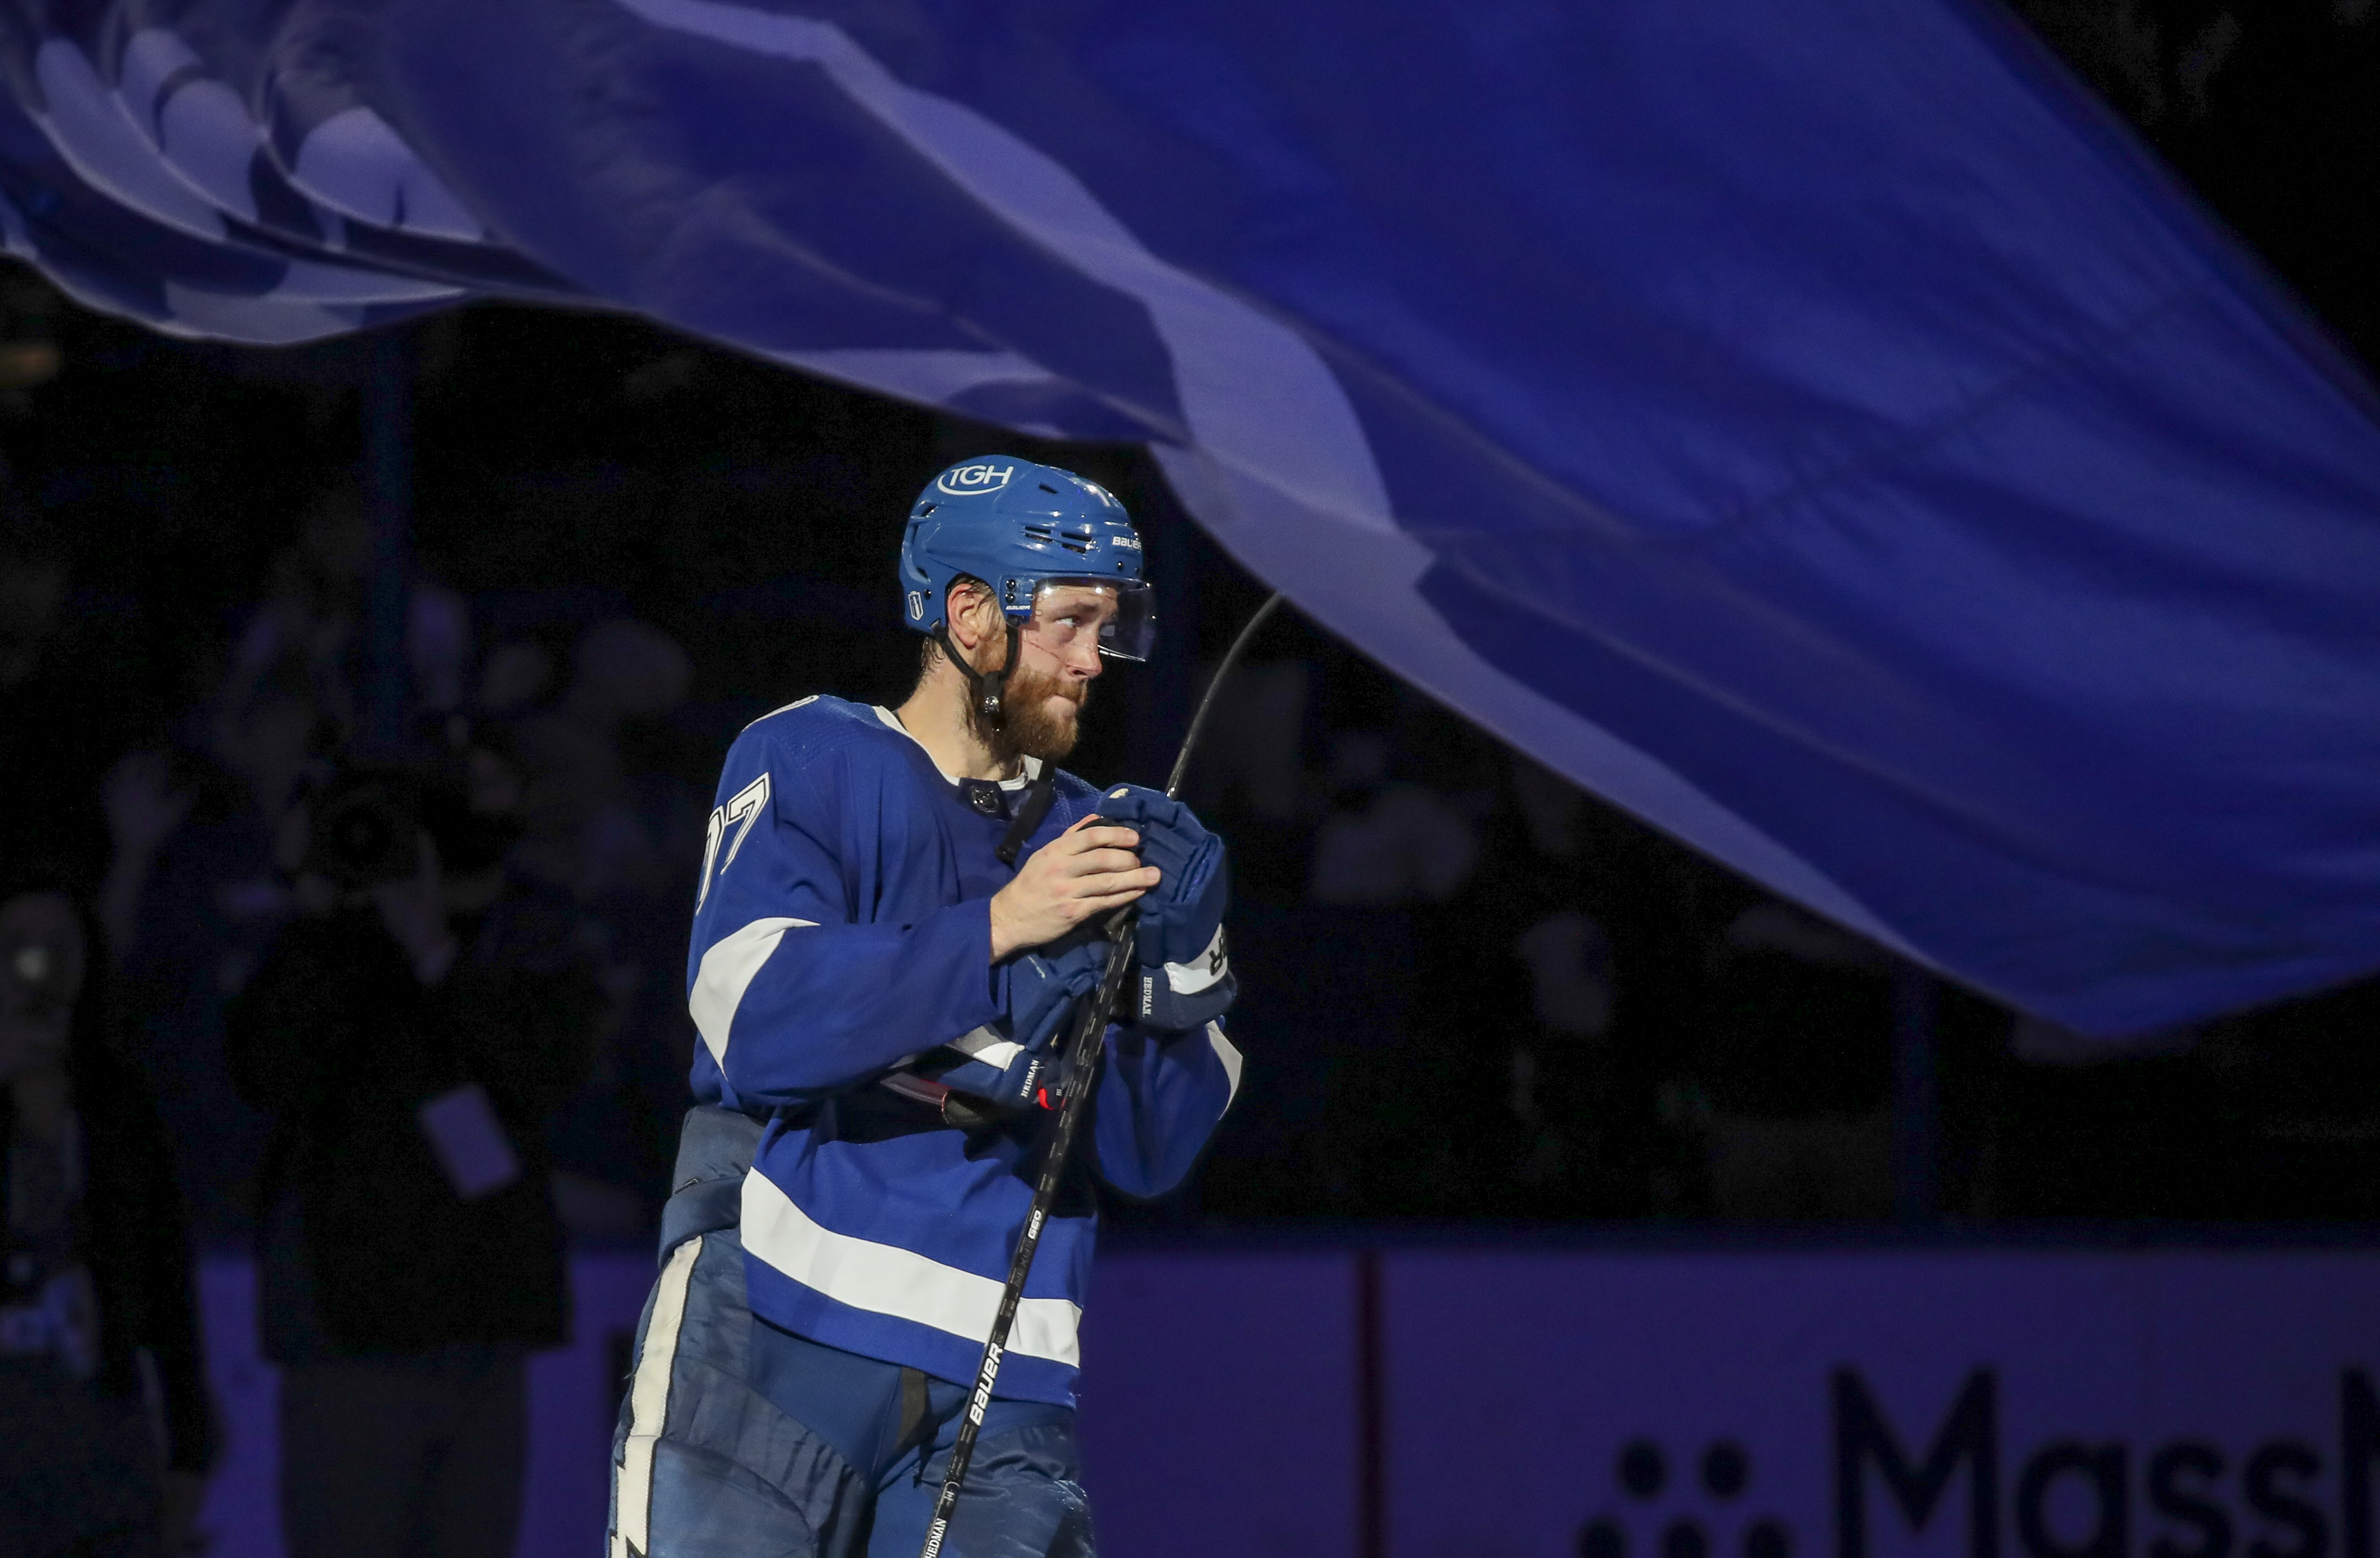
(897, 909)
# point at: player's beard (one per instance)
(1029, 728)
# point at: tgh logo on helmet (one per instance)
(966, 479)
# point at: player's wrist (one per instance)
(1004, 940)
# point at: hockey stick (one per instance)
(1082, 1058)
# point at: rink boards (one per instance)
(1745, 1402)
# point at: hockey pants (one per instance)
(739, 1439)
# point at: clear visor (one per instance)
(1120, 612)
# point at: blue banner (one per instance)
(1817, 427)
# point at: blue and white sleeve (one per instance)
(792, 994)
(1160, 1097)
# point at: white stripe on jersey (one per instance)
(1229, 1055)
(726, 972)
(887, 1280)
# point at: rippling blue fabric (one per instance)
(1816, 426)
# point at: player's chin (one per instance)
(1052, 736)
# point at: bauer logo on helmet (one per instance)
(968, 480)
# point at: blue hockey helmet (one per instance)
(1021, 528)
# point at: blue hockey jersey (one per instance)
(842, 928)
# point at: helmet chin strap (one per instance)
(988, 690)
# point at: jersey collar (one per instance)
(892, 722)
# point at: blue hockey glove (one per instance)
(1043, 983)
(1185, 973)
(1006, 1064)
(997, 1072)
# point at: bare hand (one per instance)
(1084, 871)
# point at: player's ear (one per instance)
(973, 614)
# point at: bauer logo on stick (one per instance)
(968, 480)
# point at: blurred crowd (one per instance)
(193, 828)
(397, 1014)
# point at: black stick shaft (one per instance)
(1082, 1072)
(1206, 700)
